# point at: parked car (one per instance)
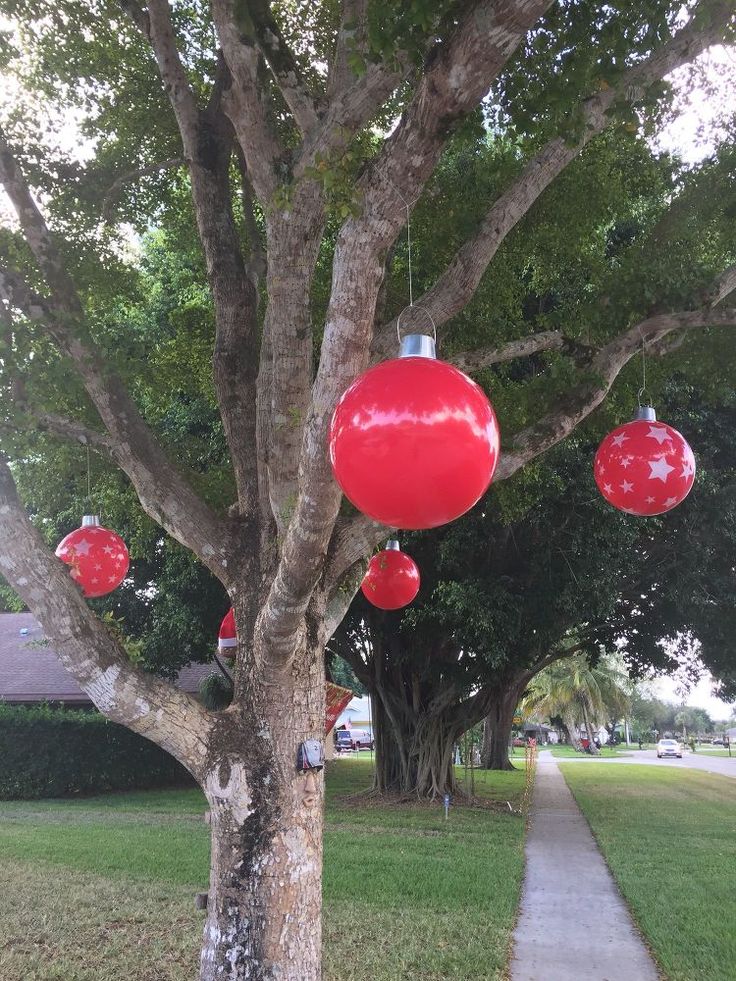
(718, 741)
(343, 740)
(349, 739)
(669, 747)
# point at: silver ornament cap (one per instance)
(418, 346)
(392, 545)
(645, 412)
(90, 520)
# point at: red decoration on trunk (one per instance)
(414, 442)
(644, 467)
(98, 557)
(392, 579)
(336, 699)
(227, 639)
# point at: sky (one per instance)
(700, 696)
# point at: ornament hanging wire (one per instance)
(408, 206)
(643, 389)
(89, 481)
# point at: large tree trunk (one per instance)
(497, 732)
(263, 911)
(414, 749)
(592, 748)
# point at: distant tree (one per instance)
(581, 694)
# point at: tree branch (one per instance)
(470, 361)
(207, 141)
(162, 491)
(112, 192)
(458, 283)
(245, 104)
(257, 25)
(95, 657)
(351, 39)
(457, 78)
(605, 367)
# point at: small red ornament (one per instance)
(644, 467)
(227, 639)
(392, 579)
(414, 442)
(98, 557)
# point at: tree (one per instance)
(579, 692)
(690, 719)
(290, 165)
(544, 564)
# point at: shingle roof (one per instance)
(30, 670)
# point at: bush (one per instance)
(54, 752)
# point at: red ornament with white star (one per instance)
(644, 467)
(98, 558)
(392, 578)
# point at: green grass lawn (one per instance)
(669, 837)
(561, 752)
(103, 888)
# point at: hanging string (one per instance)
(407, 205)
(408, 248)
(643, 388)
(89, 482)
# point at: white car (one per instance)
(669, 747)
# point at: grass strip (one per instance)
(102, 888)
(669, 837)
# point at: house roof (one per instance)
(30, 670)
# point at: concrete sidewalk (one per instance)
(573, 924)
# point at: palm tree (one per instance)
(580, 693)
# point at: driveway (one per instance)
(725, 766)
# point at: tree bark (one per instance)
(414, 748)
(265, 894)
(497, 733)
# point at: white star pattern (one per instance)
(608, 489)
(98, 568)
(656, 432)
(626, 487)
(670, 501)
(112, 578)
(660, 470)
(82, 547)
(619, 440)
(626, 461)
(650, 500)
(107, 550)
(687, 469)
(94, 581)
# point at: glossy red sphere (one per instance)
(98, 559)
(644, 468)
(392, 580)
(414, 443)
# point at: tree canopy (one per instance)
(274, 152)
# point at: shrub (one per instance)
(54, 752)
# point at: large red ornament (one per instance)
(392, 579)
(414, 442)
(644, 467)
(98, 557)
